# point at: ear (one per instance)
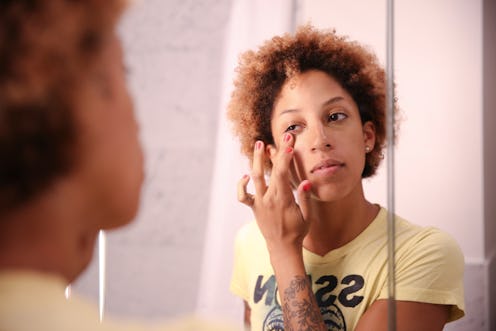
(369, 134)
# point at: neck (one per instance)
(47, 235)
(336, 223)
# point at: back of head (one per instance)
(46, 49)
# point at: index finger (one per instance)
(281, 160)
(257, 170)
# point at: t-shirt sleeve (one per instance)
(238, 284)
(430, 269)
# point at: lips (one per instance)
(326, 166)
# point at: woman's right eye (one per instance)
(291, 127)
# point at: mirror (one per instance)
(177, 256)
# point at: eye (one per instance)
(334, 117)
(292, 127)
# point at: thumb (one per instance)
(304, 192)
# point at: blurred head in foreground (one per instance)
(70, 159)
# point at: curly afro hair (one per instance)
(261, 75)
(46, 49)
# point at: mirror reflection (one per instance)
(188, 72)
(165, 175)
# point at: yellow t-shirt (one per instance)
(35, 301)
(347, 280)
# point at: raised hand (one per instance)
(281, 220)
(284, 224)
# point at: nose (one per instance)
(321, 138)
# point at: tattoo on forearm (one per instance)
(300, 309)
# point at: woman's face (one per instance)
(111, 163)
(330, 139)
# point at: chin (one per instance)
(124, 205)
(122, 219)
(329, 193)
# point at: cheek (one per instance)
(297, 166)
(358, 156)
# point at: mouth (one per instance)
(326, 166)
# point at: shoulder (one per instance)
(429, 268)
(416, 244)
(430, 240)
(428, 253)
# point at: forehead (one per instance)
(308, 89)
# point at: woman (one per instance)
(310, 110)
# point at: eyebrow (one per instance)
(325, 104)
(332, 100)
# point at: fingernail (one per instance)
(245, 176)
(287, 137)
(258, 145)
(307, 187)
(289, 149)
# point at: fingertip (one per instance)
(287, 137)
(244, 180)
(243, 196)
(305, 187)
(259, 145)
(304, 197)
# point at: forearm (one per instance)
(299, 307)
